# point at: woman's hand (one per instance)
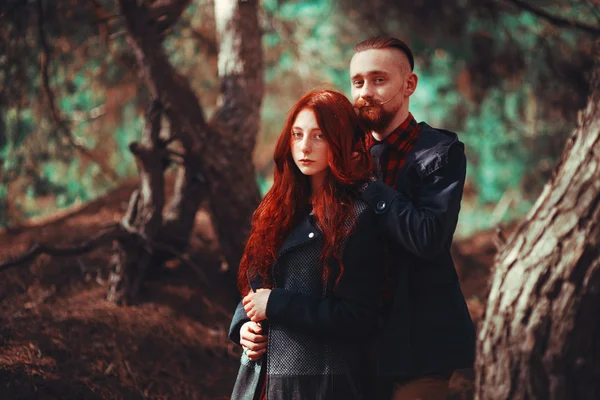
(252, 340)
(255, 304)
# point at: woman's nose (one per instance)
(305, 145)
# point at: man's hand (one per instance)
(252, 340)
(255, 304)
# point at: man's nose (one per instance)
(366, 91)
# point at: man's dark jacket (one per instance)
(428, 328)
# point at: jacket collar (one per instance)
(303, 233)
(300, 235)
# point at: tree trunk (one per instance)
(540, 337)
(144, 213)
(235, 195)
(217, 157)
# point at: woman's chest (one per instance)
(300, 269)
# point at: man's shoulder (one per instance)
(431, 149)
(436, 137)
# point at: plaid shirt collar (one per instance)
(395, 139)
(398, 145)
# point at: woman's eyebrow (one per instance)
(312, 130)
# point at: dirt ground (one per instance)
(60, 339)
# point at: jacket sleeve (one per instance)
(424, 225)
(351, 311)
(239, 318)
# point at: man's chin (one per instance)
(371, 125)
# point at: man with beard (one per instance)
(427, 331)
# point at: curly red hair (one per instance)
(288, 200)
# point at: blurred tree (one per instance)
(54, 152)
(509, 80)
(214, 159)
(539, 337)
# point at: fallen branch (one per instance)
(168, 249)
(135, 382)
(114, 233)
(182, 257)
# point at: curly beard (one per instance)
(372, 115)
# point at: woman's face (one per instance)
(309, 147)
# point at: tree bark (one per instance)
(540, 335)
(235, 195)
(144, 213)
(217, 157)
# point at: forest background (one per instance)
(509, 82)
(83, 146)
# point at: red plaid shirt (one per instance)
(399, 144)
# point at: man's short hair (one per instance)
(381, 42)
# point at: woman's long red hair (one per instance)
(286, 204)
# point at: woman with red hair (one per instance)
(313, 264)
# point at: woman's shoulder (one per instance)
(362, 215)
(359, 206)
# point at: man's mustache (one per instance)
(361, 103)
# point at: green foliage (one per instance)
(509, 83)
(129, 131)
(490, 76)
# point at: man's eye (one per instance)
(357, 83)
(379, 80)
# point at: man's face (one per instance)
(379, 76)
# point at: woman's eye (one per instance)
(296, 134)
(320, 136)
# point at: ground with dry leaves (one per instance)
(59, 338)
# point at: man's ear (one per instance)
(411, 83)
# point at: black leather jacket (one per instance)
(318, 335)
(428, 329)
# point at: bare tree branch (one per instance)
(183, 257)
(114, 231)
(212, 48)
(174, 153)
(594, 8)
(104, 237)
(56, 119)
(555, 20)
(167, 12)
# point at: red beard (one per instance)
(372, 115)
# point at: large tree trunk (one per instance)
(217, 157)
(540, 338)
